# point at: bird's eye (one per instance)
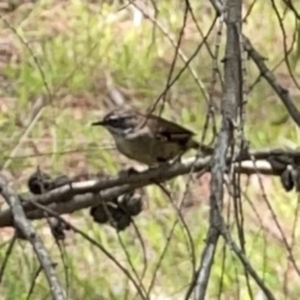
(117, 122)
(113, 121)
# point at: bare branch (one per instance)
(28, 231)
(79, 195)
(246, 263)
(259, 60)
(231, 99)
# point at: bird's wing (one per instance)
(168, 130)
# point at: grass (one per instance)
(70, 49)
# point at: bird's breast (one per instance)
(146, 149)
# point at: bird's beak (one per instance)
(99, 123)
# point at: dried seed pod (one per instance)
(58, 228)
(118, 218)
(99, 214)
(40, 182)
(287, 180)
(131, 203)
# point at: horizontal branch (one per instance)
(84, 194)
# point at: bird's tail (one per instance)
(206, 150)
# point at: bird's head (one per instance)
(119, 121)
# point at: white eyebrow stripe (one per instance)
(113, 117)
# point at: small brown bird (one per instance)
(149, 139)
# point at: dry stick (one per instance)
(134, 271)
(291, 6)
(50, 212)
(127, 254)
(215, 71)
(205, 37)
(292, 244)
(258, 78)
(287, 50)
(283, 237)
(39, 104)
(224, 140)
(145, 261)
(189, 239)
(259, 60)
(224, 256)
(28, 231)
(187, 60)
(240, 144)
(174, 60)
(105, 146)
(7, 255)
(80, 195)
(249, 10)
(33, 281)
(230, 103)
(210, 111)
(245, 262)
(182, 55)
(204, 41)
(282, 93)
(31, 120)
(62, 253)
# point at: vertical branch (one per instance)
(240, 143)
(230, 103)
(215, 71)
(27, 230)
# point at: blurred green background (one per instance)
(73, 54)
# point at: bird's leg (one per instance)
(128, 171)
(177, 159)
(163, 162)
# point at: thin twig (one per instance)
(26, 228)
(7, 256)
(259, 60)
